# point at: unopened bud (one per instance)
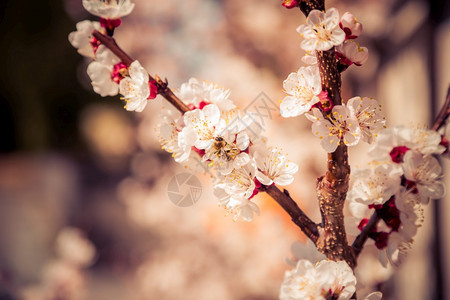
(350, 25)
(291, 3)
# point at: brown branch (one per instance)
(307, 5)
(332, 188)
(361, 239)
(443, 114)
(332, 192)
(162, 86)
(298, 216)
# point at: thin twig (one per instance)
(358, 244)
(162, 86)
(298, 216)
(443, 114)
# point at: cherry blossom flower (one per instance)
(135, 88)
(309, 59)
(350, 25)
(73, 247)
(425, 172)
(370, 117)
(199, 94)
(411, 212)
(340, 126)
(170, 139)
(321, 31)
(303, 88)
(374, 186)
(350, 53)
(101, 72)
(109, 9)
(236, 190)
(83, 40)
(237, 206)
(396, 250)
(325, 280)
(202, 122)
(392, 143)
(274, 167)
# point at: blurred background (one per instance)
(84, 209)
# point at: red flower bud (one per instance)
(291, 3)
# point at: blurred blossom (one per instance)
(108, 131)
(72, 246)
(63, 277)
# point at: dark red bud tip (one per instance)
(94, 43)
(363, 223)
(397, 154)
(119, 71)
(444, 142)
(325, 104)
(200, 152)
(153, 89)
(380, 238)
(202, 104)
(110, 25)
(291, 3)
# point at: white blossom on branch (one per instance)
(136, 88)
(325, 280)
(370, 117)
(321, 31)
(303, 88)
(425, 171)
(339, 126)
(101, 71)
(109, 9)
(83, 40)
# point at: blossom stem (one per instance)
(162, 86)
(298, 216)
(361, 239)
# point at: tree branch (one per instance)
(298, 216)
(360, 240)
(332, 188)
(163, 88)
(307, 5)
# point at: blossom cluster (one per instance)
(108, 73)
(324, 280)
(359, 119)
(219, 138)
(324, 30)
(403, 177)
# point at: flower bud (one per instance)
(350, 25)
(351, 53)
(291, 3)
